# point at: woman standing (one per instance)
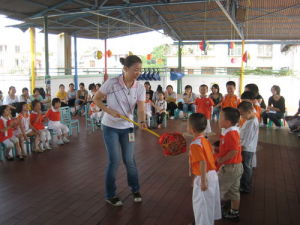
(276, 107)
(122, 94)
(217, 98)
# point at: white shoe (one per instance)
(60, 142)
(41, 147)
(47, 146)
(66, 140)
(172, 118)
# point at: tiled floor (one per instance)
(65, 186)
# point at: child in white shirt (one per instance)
(160, 109)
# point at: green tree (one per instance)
(159, 58)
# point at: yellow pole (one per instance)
(242, 69)
(32, 57)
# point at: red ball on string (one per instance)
(149, 57)
(109, 53)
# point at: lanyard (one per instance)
(131, 109)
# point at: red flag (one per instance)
(245, 57)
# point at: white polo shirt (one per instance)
(249, 135)
(121, 99)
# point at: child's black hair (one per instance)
(24, 89)
(36, 89)
(20, 107)
(253, 88)
(245, 106)
(198, 122)
(71, 84)
(204, 85)
(54, 101)
(216, 86)
(81, 84)
(61, 85)
(231, 114)
(34, 102)
(230, 83)
(248, 95)
(99, 85)
(188, 87)
(2, 109)
(169, 86)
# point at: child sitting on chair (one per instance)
(7, 125)
(36, 120)
(54, 123)
(148, 108)
(26, 129)
(160, 109)
(95, 113)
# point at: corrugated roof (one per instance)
(184, 20)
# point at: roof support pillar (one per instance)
(242, 69)
(32, 58)
(75, 63)
(179, 82)
(47, 73)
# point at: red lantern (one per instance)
(233, 60)
(149, 57)
(245, 57)
(231, 45)
(203, 45)
(109, 53)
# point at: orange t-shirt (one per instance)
(8, 133)
(201, 150)
(258, 111)
(230, 101)
(39, 123)
(204, 105)
(231, 141)
(52, 115)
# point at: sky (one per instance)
(140, 44)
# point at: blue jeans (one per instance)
(216, 113)
(246, 180)
(188, 108)
(116, 139)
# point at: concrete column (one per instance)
(64, 61)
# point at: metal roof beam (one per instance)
(232, 20)
(49, 8)
(167, 24)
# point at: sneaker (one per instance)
(47, 146)
(65, 140)
(60, 142)
(115, 201)
(137, 197)
(41, 147)
(232, 215)
(172, 118)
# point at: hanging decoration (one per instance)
(245, 57)
(149, 57)
(98, 54)
(109, 53)
(130, 53)
(231, 45)
(203, 45)
(160, 61)
(233, 60)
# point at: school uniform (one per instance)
(36, 121)
(206, 204)
(54, 122)
(7, 137)
(230, 101)
(204, 106)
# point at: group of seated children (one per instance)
(223, 172)
(15, 131)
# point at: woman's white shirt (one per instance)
(121, 99)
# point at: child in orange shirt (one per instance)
(54, 124)
(249, 96)
(204, 105)
(229, 159)
(206, 194)
(36, 120)
(7, 125)
(230, 100)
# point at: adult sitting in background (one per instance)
(148, 89)
(294, 121)
(276, 108)
(71, 95)
(254, 88)
(24, 97)
(93, 90)
(37, 96)
(171, 98)
(81, 98)
(189, 98)
(217, 98)
(62, 95)
(11, 97)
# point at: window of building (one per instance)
(236, 51)
(3, 48)
(232, 70)
(208, 70)
(190, 71)
(17, 62)
(17, 48)
(265, 51)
